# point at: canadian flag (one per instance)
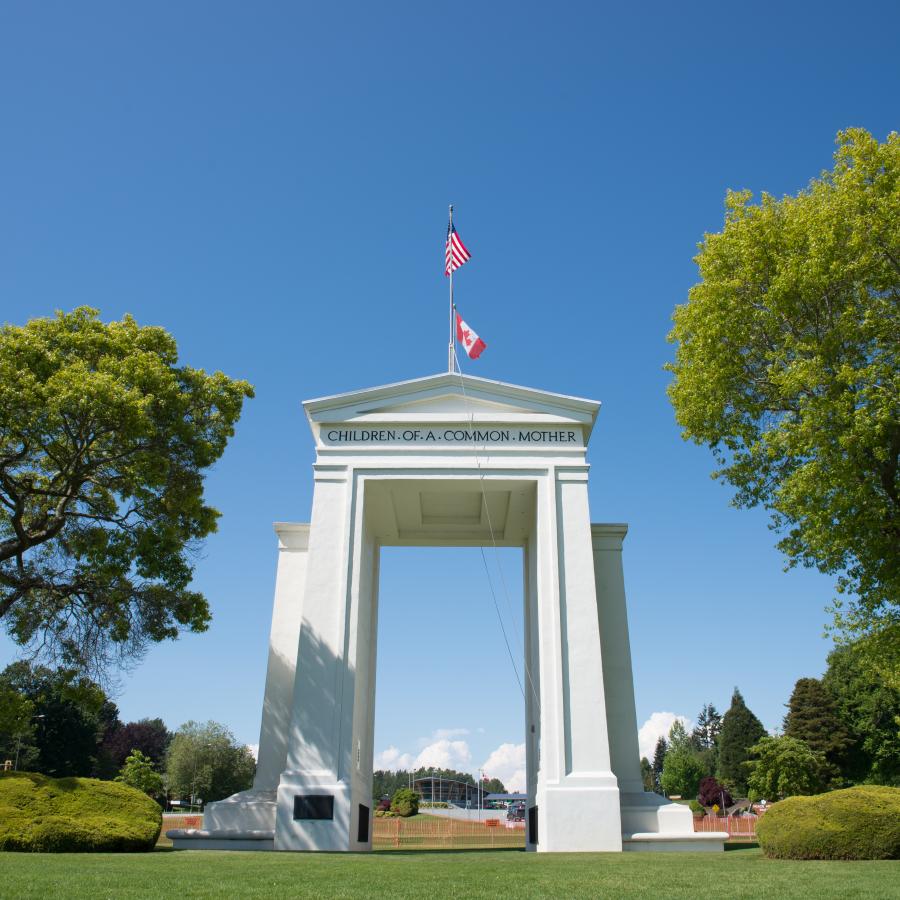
(472, 344)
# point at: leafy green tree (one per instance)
(16, 711)
(869, 707)
(787, 368)
(679, 739)
(139, 772)
(16, 729)
(493, 786)
(386, 783)
(205, 762)
(812, 718)
(405, 802)
(67, 722)
(782, 767)
(740, 731)
(682, 766)
(103, 443)
(681, 774)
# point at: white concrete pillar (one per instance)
(314, 805)
(577, 793)
(621, 720)
(290, 580)
(532, 683)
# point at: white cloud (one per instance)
(442, 733)
(507, 763)
(392, 759)
(445, 754)
(254, 749)
(658, 726)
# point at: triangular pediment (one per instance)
(452, 398)
(452, 403)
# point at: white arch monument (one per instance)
(449, 460)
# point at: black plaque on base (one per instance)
(362, 831)
(532, 825)
(313, 806)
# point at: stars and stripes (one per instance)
(471, 343)
(455, 253)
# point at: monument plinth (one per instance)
(449, 460)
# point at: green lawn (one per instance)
(494, 874)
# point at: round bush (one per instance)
(856, 823)
(55, 815)
(405, 803)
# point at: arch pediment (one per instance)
(452, 398)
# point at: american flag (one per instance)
(455, 253)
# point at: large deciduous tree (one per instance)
(787, 367)
(103, 443)
(69, 715)
(205, 762)
(785, 767)
(682, 771)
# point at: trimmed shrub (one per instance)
(405, 803)
(76, 815)
(855, 823)
(697, 809)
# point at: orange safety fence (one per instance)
(736, 826)
(182, 820)
(440, 833)
(177, 820)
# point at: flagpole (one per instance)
(450, 346)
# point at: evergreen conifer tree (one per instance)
(709, 724)
(659, 758)
(740, 731)
(812, 718)
(705, 737)
(647, 775)
(867, 704)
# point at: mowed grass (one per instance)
(167, 874)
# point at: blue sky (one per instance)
(270, 183)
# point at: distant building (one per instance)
(433, 789)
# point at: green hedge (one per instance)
(54, 815)
(856, 823)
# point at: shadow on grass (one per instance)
(445, 851)
(742, 845)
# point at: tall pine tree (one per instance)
(709, 724)
(705, 737)
(740, 731)
(812, 718)
(659, 758)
